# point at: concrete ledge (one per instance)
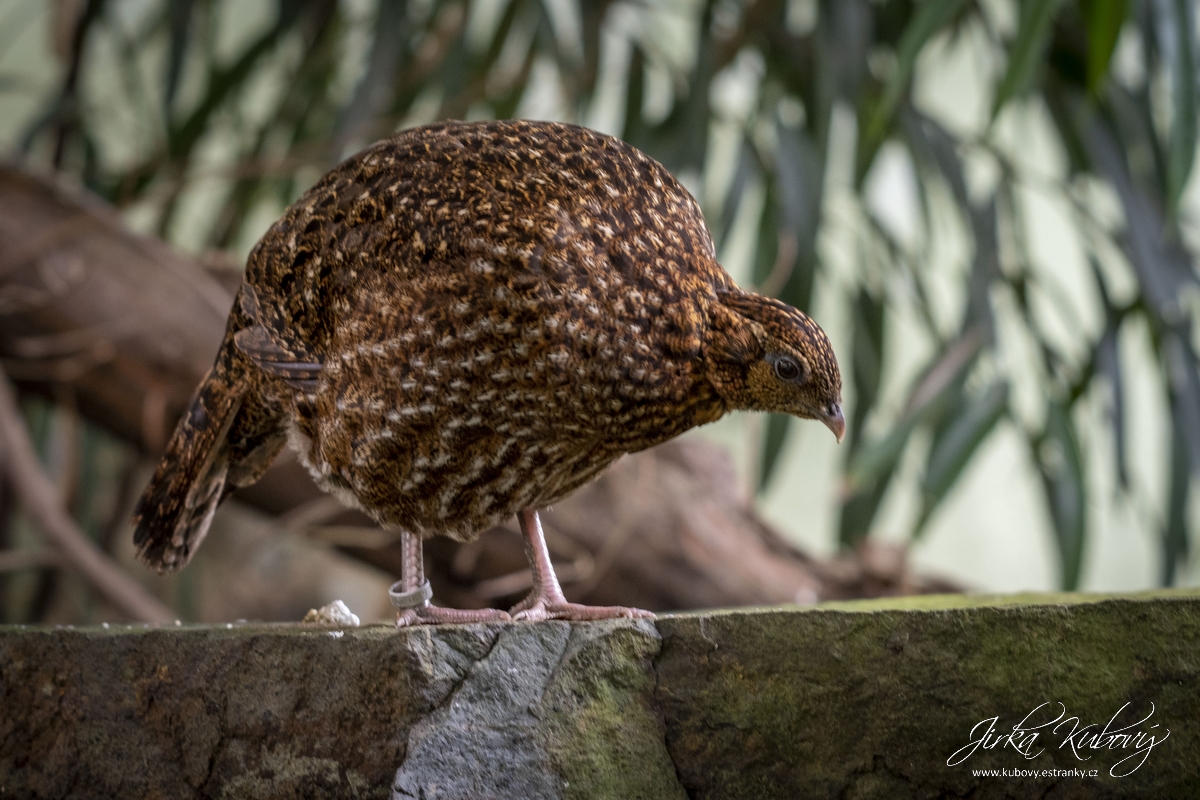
(857, 701)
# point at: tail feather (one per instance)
(177, 507)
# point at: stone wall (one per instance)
(854, 701)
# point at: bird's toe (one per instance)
(438, 615)
(577, 612)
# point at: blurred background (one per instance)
(990, 206)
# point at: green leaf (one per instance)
(634, 129)
(1181, 146)
(1108, 362)
(799, 172)
(1162, 266)
(774, 435)
(858, 512)
(956, 443)
(1061, 466)
(768, 259)
(1184, 377)
(747, 169)
(1103, 19)
(872, 464)
(376, 85)
(680, 141)
(1025, 55)
(867, 352)
(179, 16)
(1175, 534)
(931, 17)
(937, 391)
(222, 83)
(932, 144)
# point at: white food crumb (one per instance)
(334, 614)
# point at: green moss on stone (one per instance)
(855, 700)
(601, 730)
(837, 703)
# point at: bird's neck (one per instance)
(732, 342)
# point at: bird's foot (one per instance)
(439, 615)
(542, 608)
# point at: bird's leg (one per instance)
(546, 601)
(412, 593)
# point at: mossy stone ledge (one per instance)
(857, 700)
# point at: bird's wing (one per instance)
(272, 351)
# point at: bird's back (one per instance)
(532, 205)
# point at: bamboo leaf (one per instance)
(1109, 365)
(937, 391)
(634, 129)
(858, 512)
(224, 81)
(799, 173)
(1061, 466)
(680, 140)
(867, 352)
(179, 23)
(956, 443)
(932, 144)
(774, 435)
(746, 170)
(1175, 534)
(985, 270)
(1103, 20)
(1177, 32)
(1026, 53)
(593, 17)
(1184, 378)
(376, 87)
(931, 17)
(873, 464)
(1161, 265)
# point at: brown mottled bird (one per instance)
(468, 321)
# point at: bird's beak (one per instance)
(836, 422)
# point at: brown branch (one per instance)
(13, 560)
(40, 499)
(129, 323)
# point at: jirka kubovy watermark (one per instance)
(1082, 740)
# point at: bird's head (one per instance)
(764, 355)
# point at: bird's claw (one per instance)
(438, 615)
(574, 612)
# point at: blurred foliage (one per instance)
(259, 108)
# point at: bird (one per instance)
(467, 321)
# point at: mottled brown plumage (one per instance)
(467, 321)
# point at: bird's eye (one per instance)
(786, 368)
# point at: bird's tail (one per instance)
(204, 460)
